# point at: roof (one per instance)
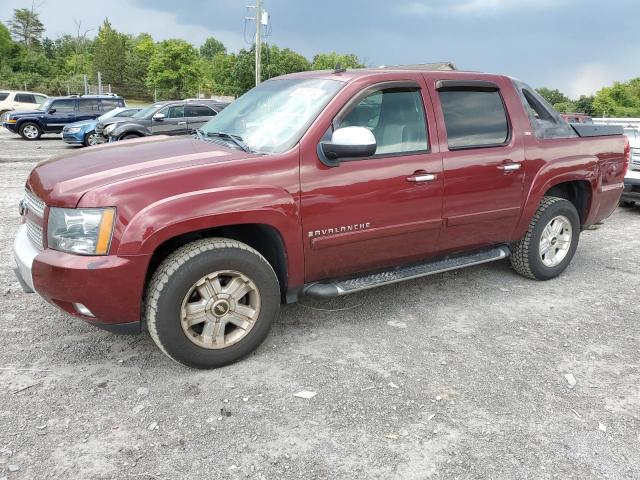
(423, 66)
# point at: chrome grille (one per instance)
(34, 204)
(34, 232)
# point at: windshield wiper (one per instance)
(236, 139)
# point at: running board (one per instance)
(343, 287)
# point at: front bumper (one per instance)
(73, 138)
(12, 127)
(110, 287)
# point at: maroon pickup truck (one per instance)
(318, 184)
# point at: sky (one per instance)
(577, 46)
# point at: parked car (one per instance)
(295, 190)
(84, 133)
(57, 112)
(11, 100)
(631, 192)
(177, 117)
(633, 134)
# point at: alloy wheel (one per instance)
(555, 241)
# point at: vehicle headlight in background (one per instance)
(108, 129)
(73, 129)
(85, 231)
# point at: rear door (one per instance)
(198, 115)
(61, 112)
(382, 210)
(88, 109)
(174, 122)
(25, 101)
(483, 157)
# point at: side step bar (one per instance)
(343, 287)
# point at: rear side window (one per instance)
(64, 106)
(3, 95)
(199, 111)
(25, 98)
(90, 105)
(109, 104)
(474, 118)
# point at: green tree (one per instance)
(110, 48)
(140, 50)
(584, 105)
(211, 48)
(552, 96)
(26, 27)
(328, 61)
(620, 100)
(220, 74)
(175, 69)
(7, 47)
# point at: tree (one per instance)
(584, 105)
(211, 48)
(328, 61)
(175, 69)
(26, 26)
(109, 57)
(620, 100)
(7, 47)
(552, 96)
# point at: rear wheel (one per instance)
(211, 302)
(550, 242)
(30, 131)
(91, 139)
(129, 136)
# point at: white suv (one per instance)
(20, 101)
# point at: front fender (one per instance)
(130, 128)
(568, 169)
(206, 209)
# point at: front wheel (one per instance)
(30, 131)
(550, 242)
(129, 136)
(211, 302)
(91, 139)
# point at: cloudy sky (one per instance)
(574, 45)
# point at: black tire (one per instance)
(525, 253)
(128, 136)
(174, 279)
(30, 127)
(87, 138)
(627, 204)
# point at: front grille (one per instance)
(34, 232)
(34, 204)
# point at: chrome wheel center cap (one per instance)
(220, 308)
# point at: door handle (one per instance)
(510, 167)
(422, 177)
(182, 123)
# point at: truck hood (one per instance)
(64, 180)
(25, 113)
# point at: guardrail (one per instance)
(625, 122)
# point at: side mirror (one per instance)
(349, 142)
(159, 117)
(52, 111)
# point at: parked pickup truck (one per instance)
(319, 184)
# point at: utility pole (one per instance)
(258, 41)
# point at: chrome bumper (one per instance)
(24, 253)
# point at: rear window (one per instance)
(199, 111)
(3, 95)
(111, 103)
(474, 118)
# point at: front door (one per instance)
(61, 112)
(382, 210)
(483, 158)
(198, 115)
(174, 122)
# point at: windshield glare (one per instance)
(110, 114)
(272, 117)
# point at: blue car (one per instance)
(57, 112)
(84, 133)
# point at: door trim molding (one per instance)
(490, 215)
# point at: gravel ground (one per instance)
(460, 375)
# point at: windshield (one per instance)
(146, 111)
(272, 117)
(631, 132)
(110, 114)
(45, 106)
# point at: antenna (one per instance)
(338, 68)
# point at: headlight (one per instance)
(108, 129)
(73, 129)
(85, 231)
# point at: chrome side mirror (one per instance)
(348, 142)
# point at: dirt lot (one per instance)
(460, 375)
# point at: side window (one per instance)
(175, 111)
(64, 106)
(545, 121)
(25, 98)
(89, 105)
(396, 118)
(474, 118)
(199, 111)
(109, 104)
